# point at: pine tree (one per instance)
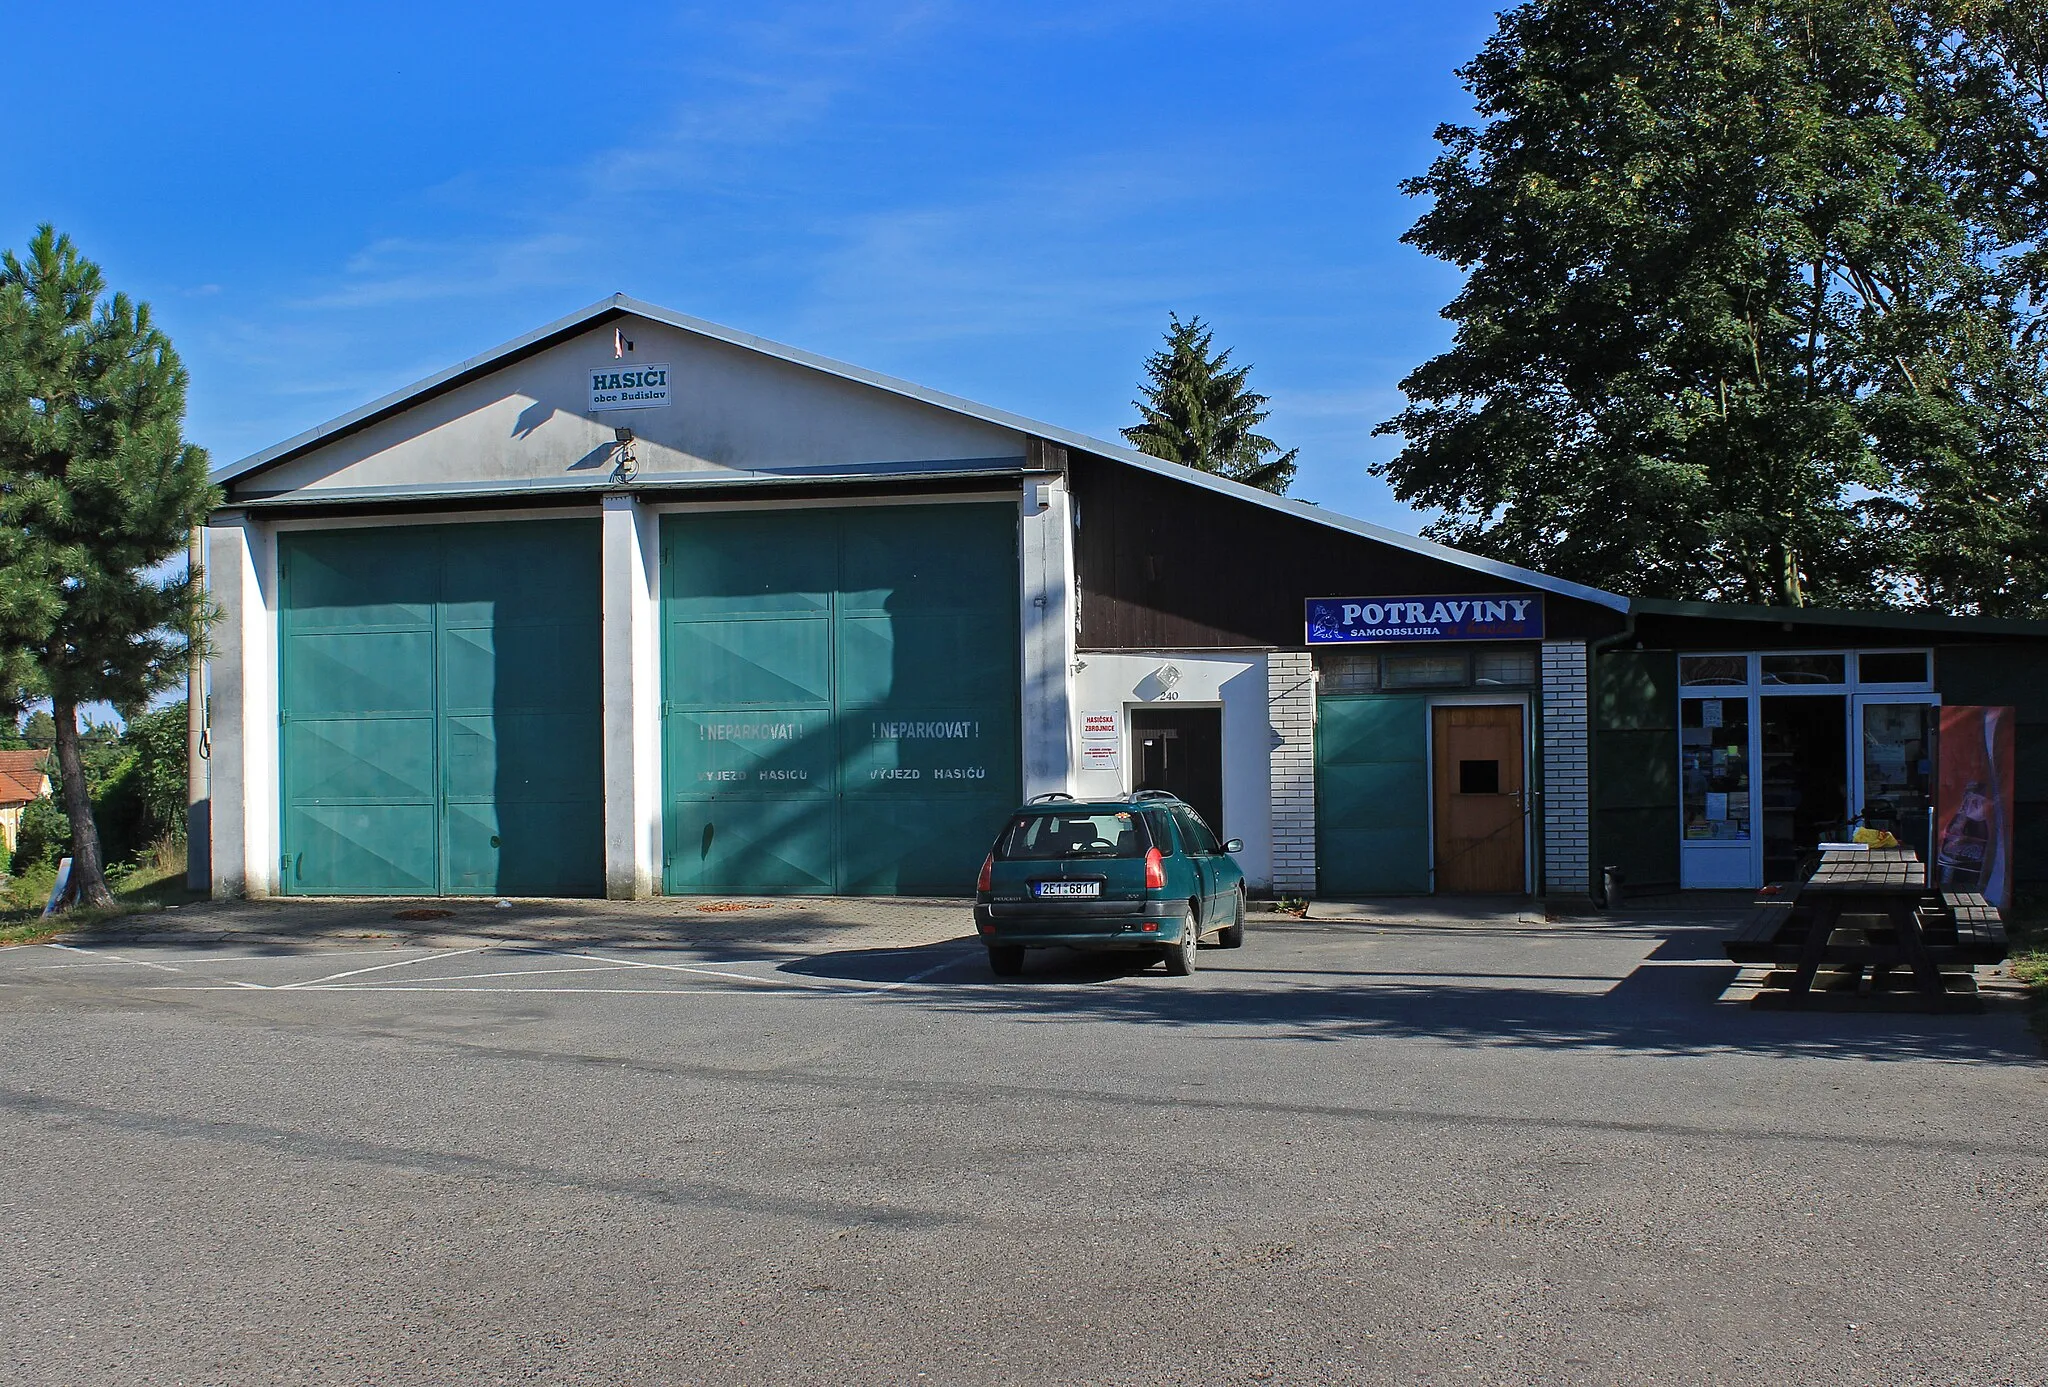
(1197, 410)
(1747, 313)
(98, 491)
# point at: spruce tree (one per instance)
(98, 492)
(1199, 411)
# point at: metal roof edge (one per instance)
(1838, 616)
(1114, 452)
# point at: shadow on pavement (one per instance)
(1667, 1004)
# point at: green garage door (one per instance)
(839, 692)
(1372, 795)
(440, 697)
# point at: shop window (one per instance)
(1892, 667)
(1713, 747)
(1804, 669)
(1713, 669)
(1504, 667)
(1348, 672)
(1406, 671)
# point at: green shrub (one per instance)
(45, 836)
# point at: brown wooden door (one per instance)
(1478, 775)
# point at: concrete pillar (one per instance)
(1291, 703)
(243, 808)
(632, 699)
(1567, 787)
(1045, 546)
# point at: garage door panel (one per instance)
(727, 565)
(773, 663)
(524, 667)
(467, 748)
(906, 731)
(771, 751)
(903, 560)
(360, 759)
(497, 574)
(359, 578)
(355, 673)
(950, 657)
(751, 847)
(522, 757)
(920, 847)
(918, 752)
(361, 850)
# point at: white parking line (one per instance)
(115, 958)
(376, 968)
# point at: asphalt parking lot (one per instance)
(815, 1142)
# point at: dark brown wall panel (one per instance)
(1168, 566)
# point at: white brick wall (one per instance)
(1567, 789)
(1291, 703)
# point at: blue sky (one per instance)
(324, 203)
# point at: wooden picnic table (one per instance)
(1869, 910)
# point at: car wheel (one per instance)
(1006, 960)
(1180, 959)
(1231, 936)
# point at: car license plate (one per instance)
(1044, 889)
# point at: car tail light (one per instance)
(1155, 870)
(988, 871)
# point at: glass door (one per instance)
(1716, 810)
(1893, 768)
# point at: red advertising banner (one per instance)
(1973, 803)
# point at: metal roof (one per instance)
(620, 304)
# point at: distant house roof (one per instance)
(619, 305)
(22, 777)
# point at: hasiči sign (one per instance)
(620, 386)
(1356, 620)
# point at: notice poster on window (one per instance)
(1974, 802)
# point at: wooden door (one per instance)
(1478, 776)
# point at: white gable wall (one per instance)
(731, 409)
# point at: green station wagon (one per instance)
(1142, 874)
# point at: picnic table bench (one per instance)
(1872, 911)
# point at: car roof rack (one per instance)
(1137, 795)
(1050, 795)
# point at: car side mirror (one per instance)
(1234, 845)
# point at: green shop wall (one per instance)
(1635, 766)
(2010, 676)
(1372, 794)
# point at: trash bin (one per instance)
(1612, 880)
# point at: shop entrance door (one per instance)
(1803, 778)
(1478, 799)
(1180, 750)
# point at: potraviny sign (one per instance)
(1359, 620)
(634, 386)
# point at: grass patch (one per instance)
(2026, 933)
(156, 879)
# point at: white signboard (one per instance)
(1102, 741)
(629, 385)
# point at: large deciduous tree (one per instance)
(1198, 410)
(98, 493)
(1753, 307)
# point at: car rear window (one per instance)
(1056, 834)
